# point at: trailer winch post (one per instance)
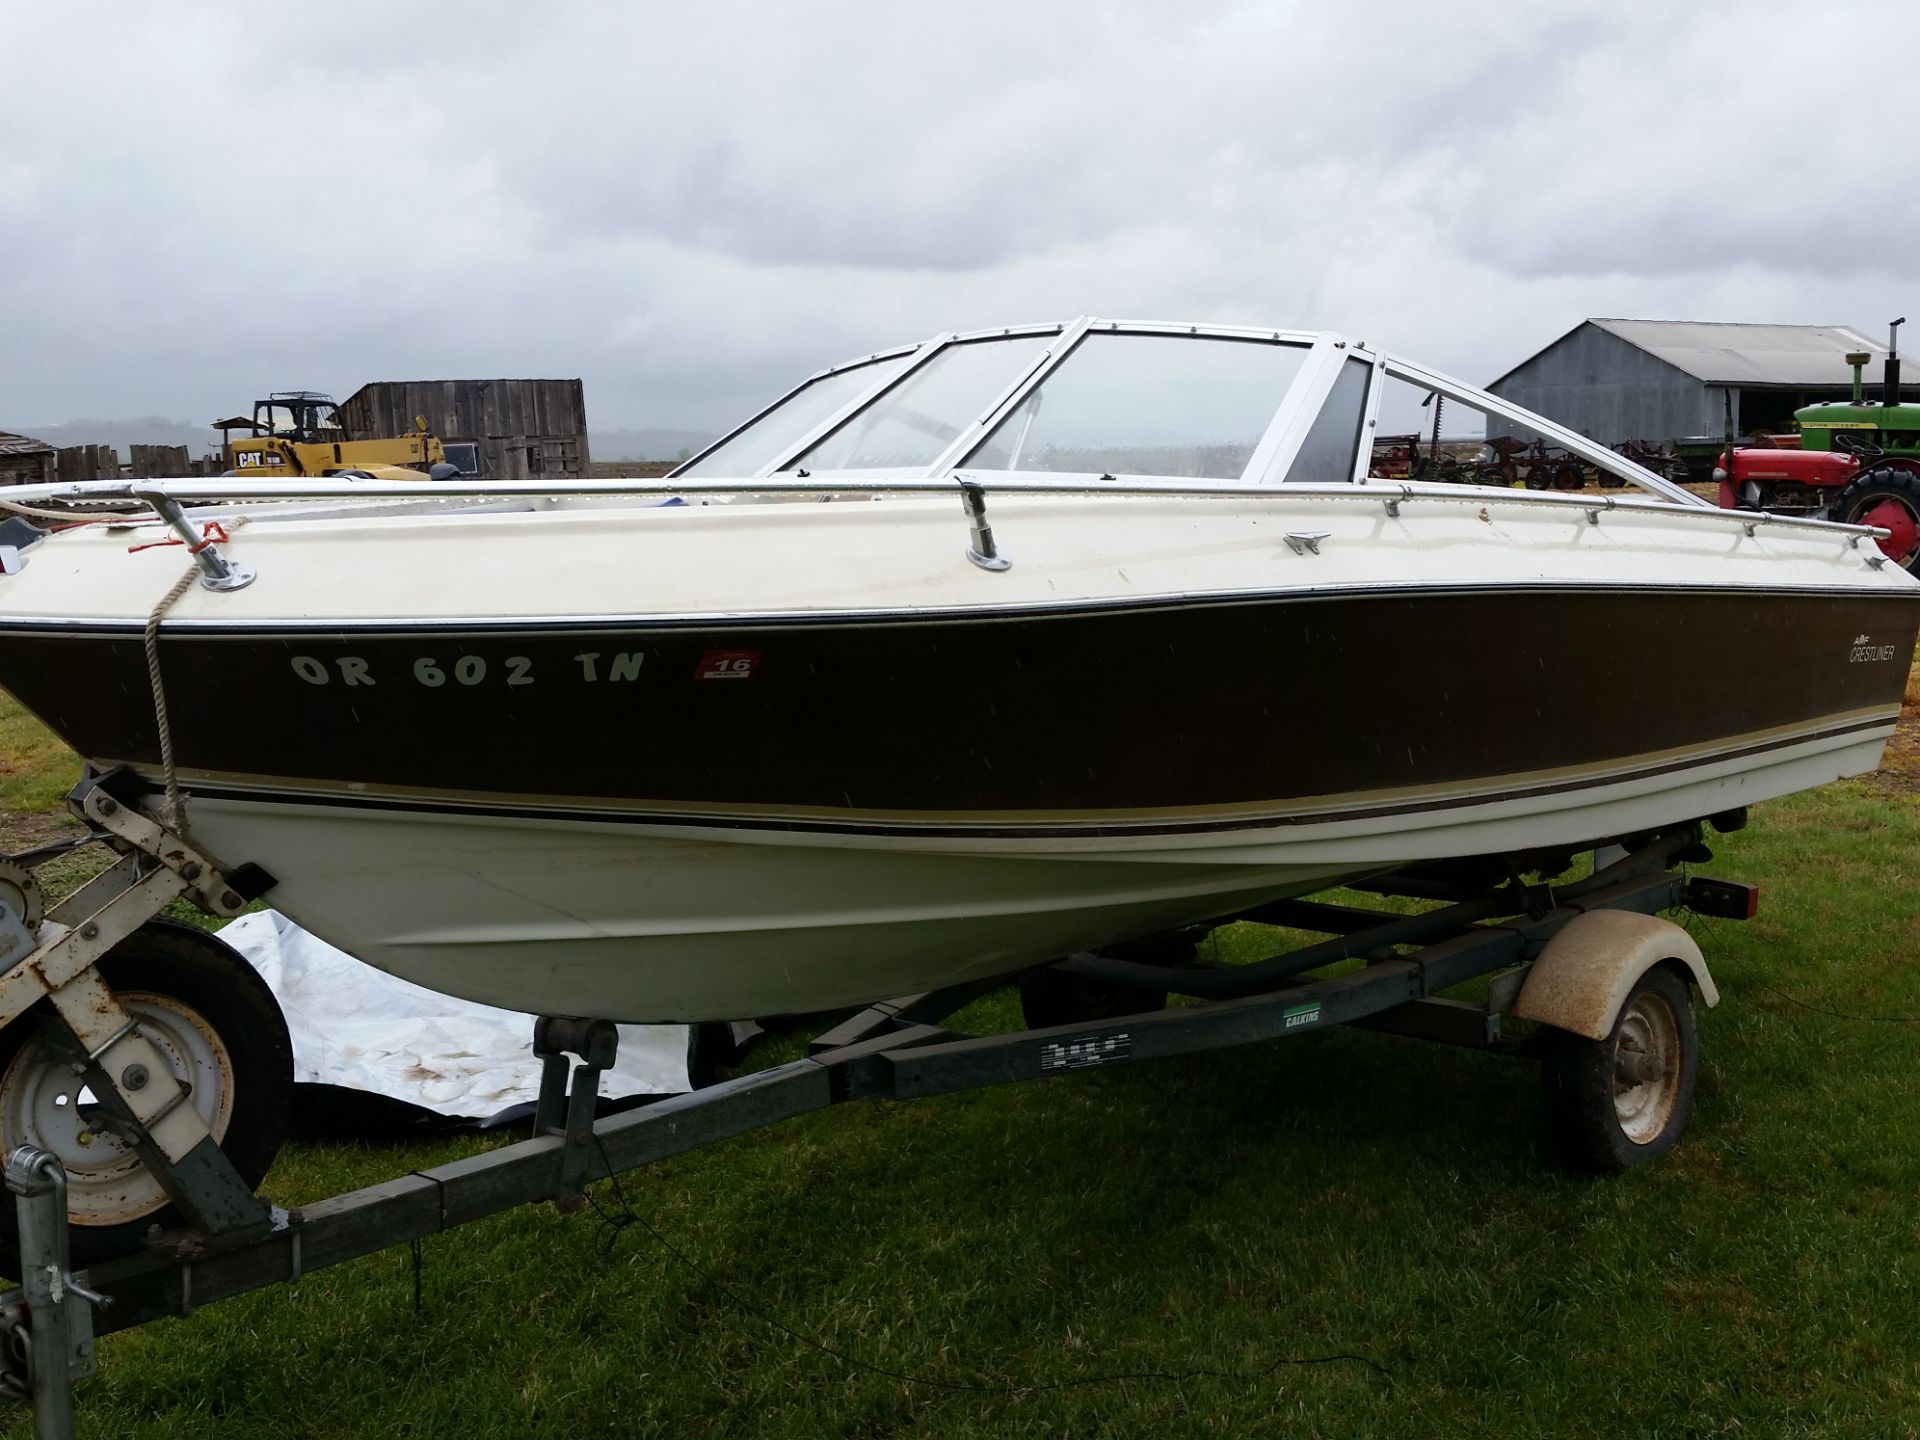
(58, 1321)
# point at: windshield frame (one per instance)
(935, 347)
(1274, 454)
(920, 351)
(1069, 339)
(959, 455)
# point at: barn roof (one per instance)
(1723, 354)
(11, 444)
(1728, 353)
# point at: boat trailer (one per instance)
(1607, 985)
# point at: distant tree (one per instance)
(686, 453)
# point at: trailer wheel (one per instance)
(216, 1022)
(1887, 495)
(1625, 1100)
(1569, 476)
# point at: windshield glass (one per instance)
(769, 437)
(1175, 405)
(911, 425)
(292, 419)
(1332, 446)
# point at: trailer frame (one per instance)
(1492, 922)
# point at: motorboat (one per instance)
(957, 658)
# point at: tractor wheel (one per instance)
(1569, 476)
(1887, 495)
(1611, 481)
(1537, 477)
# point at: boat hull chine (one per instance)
(649, 922)
(637, 922)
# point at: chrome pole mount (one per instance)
(982, 552)
(217, 572)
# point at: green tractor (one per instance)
(1858, 462)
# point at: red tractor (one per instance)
(1858, 463)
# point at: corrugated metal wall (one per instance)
(524, 428)
(1610, 391)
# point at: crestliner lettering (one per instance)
(1864, 651)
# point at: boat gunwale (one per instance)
(1391, 493)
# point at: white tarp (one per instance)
(361, 1028)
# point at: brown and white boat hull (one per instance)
(647, 792)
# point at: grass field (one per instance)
(1341, 1235)
(36, 770)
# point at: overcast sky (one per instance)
(692, 205)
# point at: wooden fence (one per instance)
(87, 462)
(102, 462)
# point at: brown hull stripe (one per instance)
(1264, 712)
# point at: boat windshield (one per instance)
(1121, 404)
(765, 440)
(917, 421)
(1097, 398)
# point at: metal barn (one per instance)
(1663, 380)
(495, 429)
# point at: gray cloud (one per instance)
(691, 206)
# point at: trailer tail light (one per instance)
(1723, 899)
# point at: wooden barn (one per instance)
(493, 429)
(26, 461)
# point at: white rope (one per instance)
(176, 812)
(72, 517)
(176, 806)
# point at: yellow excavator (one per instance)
(300, 433)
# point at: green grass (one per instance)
(1209, 1219)
(36, 770)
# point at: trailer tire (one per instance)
(206, 1009)
(1603, 1126)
